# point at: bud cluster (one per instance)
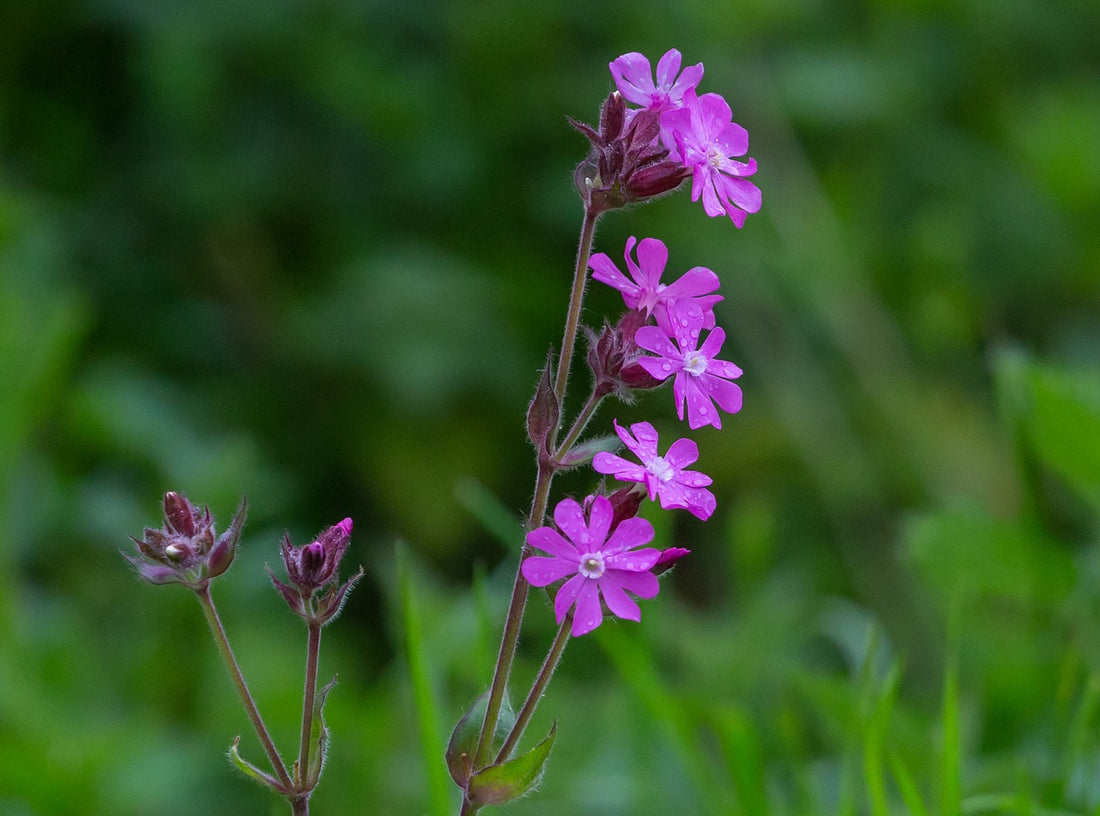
(311, 568)
(186, 550)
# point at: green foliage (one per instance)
(315, 254)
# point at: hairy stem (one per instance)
(518, 604)
(249, 703)
(553, 658)
(590, 406)
(576, 299)
(313, 650)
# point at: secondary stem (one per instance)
(553, 658)
(250, 708)
(576, 298)
(313, 650)
(518, 604)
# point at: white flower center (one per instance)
(660, 468)
(695, 363)
(715, 157)
(592, 565)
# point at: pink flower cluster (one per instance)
(669, 332)
(698, 131)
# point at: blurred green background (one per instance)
(315, 252)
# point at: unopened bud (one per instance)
(179, 515)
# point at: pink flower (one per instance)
(644, 290)
(663, 476)
(595, 564)
(702, 134)
(701, 379)
(632, 76)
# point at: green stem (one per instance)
(313, 650)
(250, 708)
(590, 406)
(576, 299)
(518, 604)
(553, 658)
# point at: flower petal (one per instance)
(549, 540)
(618, 602)
(631, 532)
(588, 613)
(681, 453)
(540, 571)
(569, 516)
(642, 584)
(632, 560)
(567, 595)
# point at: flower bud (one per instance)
(627, 162)
(186, 551)
(312, 567)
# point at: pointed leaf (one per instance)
(251, 771)
(544, 412)
(502, 783)
(467, 733)
(318, 738)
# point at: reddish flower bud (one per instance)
(627, 162)
(312, 567)
(186, 551)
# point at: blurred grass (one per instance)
(315, 253)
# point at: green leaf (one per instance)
(466, 734)
(502, 783)
(251, 771)
(318, 737)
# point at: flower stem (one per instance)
(576, 298)
(250, 708)
(313, 650)
(553, 658)
(518, 604)
(590, 406)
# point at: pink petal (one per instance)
(588, 613)
(605, 271)
(632, 560)
(622, 469)
(679, 391)
(540, 571)
(700, 409)
(725, 393)
(652, 258)
(660, 367)
(642, 439)
(651, 338)
(724, 369)
(713, 344)
(681, 453)
(631, 532)
(567, 595)
(633, 77)
(742, 193)
(549, 540)
(642, 584)
(733, 140)
(668, 66)
(600, 516)
(696, 281)
(618, 602)
(569, 516)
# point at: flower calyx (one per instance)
(627, 162)
(311, 568)
(187, 549)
